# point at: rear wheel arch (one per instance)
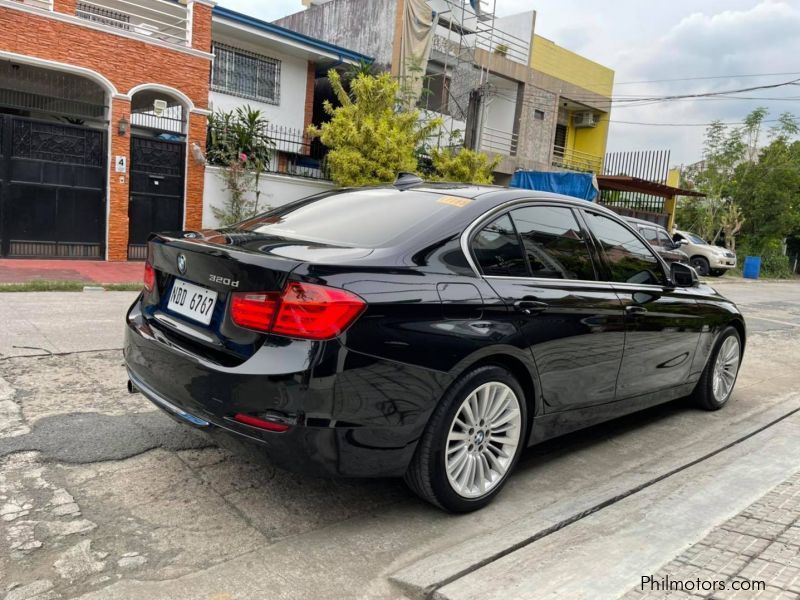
(521, 373)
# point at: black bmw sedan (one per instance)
(427, 331)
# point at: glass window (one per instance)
(664, 239)
(497, 250)
(629, 260)
(553, 243)
(696, 239)
(650, 235)
(369, 218)
(246, 74)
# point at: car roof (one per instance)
(487, 196)
(644, 222)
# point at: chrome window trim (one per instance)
(487, 216)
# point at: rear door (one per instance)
(538, 258)
(662, 324)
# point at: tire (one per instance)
(428, 475)
(706, 394)
(700, 265)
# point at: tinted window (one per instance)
(497, 250)
(371, 218)
(629, 260)
(553, 243)
(649, 234)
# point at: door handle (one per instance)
(635, 309)
(530, 307)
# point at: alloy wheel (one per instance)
(483, 439)
(726, 368)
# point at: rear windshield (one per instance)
(371, 218)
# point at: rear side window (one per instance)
(629, 260)
(371, 218)
(497, 249)
(553, 243)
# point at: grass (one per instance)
(44, 285)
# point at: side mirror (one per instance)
(683, 242)
(683, 275)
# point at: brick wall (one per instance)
(309, 107)
(127, 63)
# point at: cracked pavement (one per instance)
(103, 496)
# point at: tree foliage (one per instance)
(462, 165)
(371, 138)
(752, 189)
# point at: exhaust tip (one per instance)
(132, 389)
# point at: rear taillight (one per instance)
(149, 277)
(254, 310)
(303, 310)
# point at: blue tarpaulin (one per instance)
(579, 185)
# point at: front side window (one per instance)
(553, 243)
(650, 235)
(664, 239)
(246, 74)
(498, 251)
(629, 260)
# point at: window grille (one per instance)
(246, 74)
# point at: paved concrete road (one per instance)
(103, 497)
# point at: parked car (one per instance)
(429, 331)
(660, 240)
(706, 258)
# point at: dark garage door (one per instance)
(52, 189)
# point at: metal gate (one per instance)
(52, 189)
(156, 191)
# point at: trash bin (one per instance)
(752, 267)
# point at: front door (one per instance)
(538, 260)
(662, 324)
(156, 191)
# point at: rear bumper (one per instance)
(337, 400)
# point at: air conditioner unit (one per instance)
(585, 119)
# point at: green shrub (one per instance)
(774, 264)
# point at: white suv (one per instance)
(706, 258)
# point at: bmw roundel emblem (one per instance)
(181, 264)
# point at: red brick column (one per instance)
(65, 6)
(311, 75)
(119, 187)
(201, 27)
(195, 173)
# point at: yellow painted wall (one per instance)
(591, 140)
(551, 59)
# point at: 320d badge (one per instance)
(424, 331)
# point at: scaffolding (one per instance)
(462, 28)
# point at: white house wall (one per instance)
(276, 190)
(290, 112)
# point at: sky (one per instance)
(647, 40)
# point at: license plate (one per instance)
(192, 301)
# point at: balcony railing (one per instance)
(574, 160)
(496, 140)
(478, 31)
(161, 20)
(43, 4)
